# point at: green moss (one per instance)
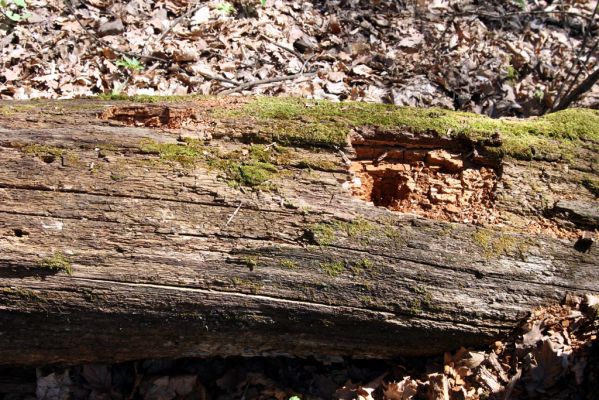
(254, 167)
(43, 150)
(117, 176)
(418, 289)
(56, 262)
(186, 154)
(573, 123)
(365, 265)
(428, 300)
(8, 110)
(447, 228)
(245, 173)
(254, 288)
(592, 185)
(495, 245)
(287, 263)
(51, 153)
(251, 262)
(237, 281)
(271, 154)
(423, 299)
(70, 159)
(327, 124)
(414, 306)
(333, 269)
(393, 234)
(366, 300)
(358, 228)
(254, 174)
(317, 164)
(26, 294)
(325, 233)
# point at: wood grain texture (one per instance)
(304, 269)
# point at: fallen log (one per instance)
(210, 226)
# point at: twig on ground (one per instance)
(282, 46)
(174, 24)
(218, 78)
(556, 105)
(558, 97)
(579, 90)
(519, 13)
(258, 82)
(306, 63)
(441, 40)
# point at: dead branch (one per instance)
(266, 81)
(577, 61)
(584, 86)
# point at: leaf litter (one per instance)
(498, 58)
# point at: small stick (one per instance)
(346, 159)
(175, 23)
(234, 213)
(519, 13)
(282, 46)
(265, 81)
(558, 96)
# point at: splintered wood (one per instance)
(435, 184)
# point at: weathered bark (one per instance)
(169, 259)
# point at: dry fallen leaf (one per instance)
(403, 390)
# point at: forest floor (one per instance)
(497, 58)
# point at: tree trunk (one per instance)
(132, 230)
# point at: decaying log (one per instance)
(172, 229)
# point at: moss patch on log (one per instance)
(56, 262)
(186, 154)
(494, 245)
(558, 136)
(360, 231)
(254, 166)
(42, 150)
(288, 263)
(8, 110)
(333, 269)
(321, 123)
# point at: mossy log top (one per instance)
(214, 226)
